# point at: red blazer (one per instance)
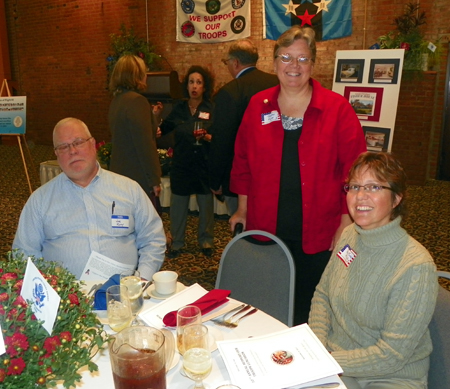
(330, 141)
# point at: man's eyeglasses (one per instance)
(76, 144)
(374, 188)
(287, 59)
(225, 61)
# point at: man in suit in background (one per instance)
(230, 104)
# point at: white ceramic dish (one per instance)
(152, 292)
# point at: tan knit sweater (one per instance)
(373, 315)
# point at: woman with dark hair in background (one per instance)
(189, 172)
(133, 127)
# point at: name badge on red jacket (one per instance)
(347, 255)
(267, 118)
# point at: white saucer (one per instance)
(152, 292)
(175, 359)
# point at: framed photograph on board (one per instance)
(365, 101)
(384, 71)
(377, 138)
(350, 70)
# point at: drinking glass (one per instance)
(228, 386)
(118, 307)
(197, 361)
(132, 280)
(199, 132)
(186, 315)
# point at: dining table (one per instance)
(259, 323)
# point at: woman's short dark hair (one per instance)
(293, 34)
(385, 167)
(208, 81)
(128, 73)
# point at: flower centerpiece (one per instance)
(165, 159)
(104, 153)
(34, 358)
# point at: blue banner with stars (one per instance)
(330, 19)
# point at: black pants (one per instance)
(308, 270)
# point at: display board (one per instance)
(13, 111)
(370, 80)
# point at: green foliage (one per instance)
(128, 43)
(33, 357)
(408, 36)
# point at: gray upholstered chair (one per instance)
(439, 374)
(260, 273)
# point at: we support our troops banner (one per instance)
(330, 19)
(211, 21)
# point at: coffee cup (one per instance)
(165, 282)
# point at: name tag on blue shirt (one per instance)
(267, 118)
(120, 221)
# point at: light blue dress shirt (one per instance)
(64, 222)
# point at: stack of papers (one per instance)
(292, 357)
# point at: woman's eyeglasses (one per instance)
(287, 58)
(374, 188)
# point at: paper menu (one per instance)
(279, 360)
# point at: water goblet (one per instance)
(118, 307)
(132, 280)
(186, 315)
(197, 361)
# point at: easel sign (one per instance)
(13, 115)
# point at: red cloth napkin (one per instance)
(207, 303)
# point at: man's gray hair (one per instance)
(245, 51)
(64, 121)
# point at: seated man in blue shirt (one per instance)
(86, 209)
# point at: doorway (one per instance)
(444, 157)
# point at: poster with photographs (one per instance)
(365, 101)
(350, 70)
(384, 71)
(377, 138)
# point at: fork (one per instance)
(234, 324)
(230, 322)
(223, 321)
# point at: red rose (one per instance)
(16, 366)
(73, 298)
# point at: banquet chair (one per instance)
(260, 273)
(439, 373)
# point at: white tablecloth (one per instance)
(164, 198)
(50, 169)
(258, 324)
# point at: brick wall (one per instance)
(59, 51)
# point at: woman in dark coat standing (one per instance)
(189, 172)
(133, 126)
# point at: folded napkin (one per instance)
(100, 295)
(206, 303)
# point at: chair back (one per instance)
(260, 273)
(439, 374)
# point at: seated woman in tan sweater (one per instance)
(377, 295)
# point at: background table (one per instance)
(50, 169)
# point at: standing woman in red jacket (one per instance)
(293, 151)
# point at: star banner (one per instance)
(330, 19)
(212, 21)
